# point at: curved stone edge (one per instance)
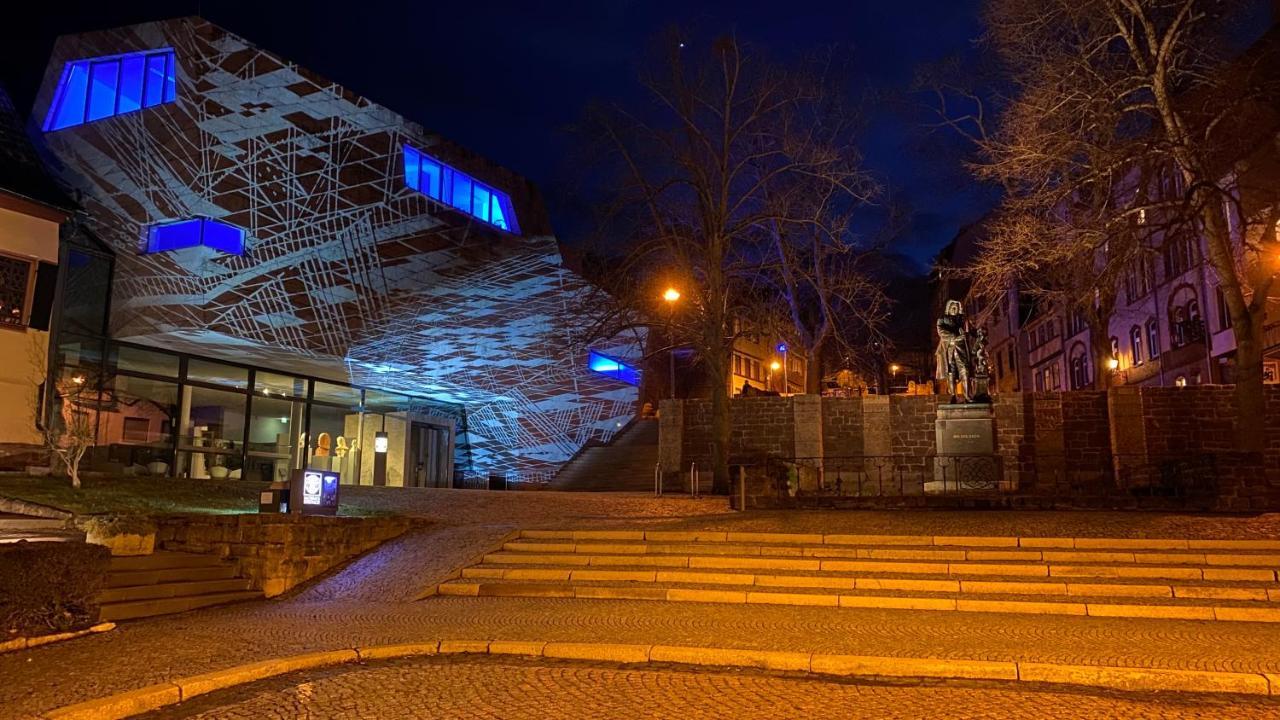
(152, 697)
(24, 643)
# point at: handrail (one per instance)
(657, 479)
(693, 478)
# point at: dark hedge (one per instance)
(49, 587)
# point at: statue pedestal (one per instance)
(966, 460)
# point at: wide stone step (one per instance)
(971, 541)
(869, 566)
(172, 589)
(871, 552)
(164, 560)
(134, 609)
(127, 578)
(1236, 591)
(13, 522)
(1100, 606)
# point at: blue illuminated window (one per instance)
(615, 369)
(103, 87)
(194, 233)
(458, 189)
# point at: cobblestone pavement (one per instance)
(366, 603)
(452, 687)
(551, 509)
(146, 652)
(402, 569)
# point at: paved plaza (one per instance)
(373, 601)
(511, 689)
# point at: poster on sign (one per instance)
(314, 492)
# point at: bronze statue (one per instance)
(962, 365)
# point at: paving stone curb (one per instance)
(153, 697)
(24, 643)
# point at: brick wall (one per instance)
(1086, 446)
(278, 552)
(913, 427)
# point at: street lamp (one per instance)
(1113, 363)
(773, 368)
(894, 368)
(670, 296)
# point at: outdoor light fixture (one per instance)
(894, 369)
(775, 365)
(782, 347)
(1113, 363)
(380, 444)
(671, 295)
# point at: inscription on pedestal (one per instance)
(966, 461)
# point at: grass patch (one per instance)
(146, 496)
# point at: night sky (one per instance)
(506, 78)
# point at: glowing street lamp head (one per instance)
(775, 365)
(894, 368)
(671, 295)
(1113, 363)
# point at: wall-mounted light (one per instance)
(1113, 363)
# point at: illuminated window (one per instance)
(195, 232)
(615, 369)
(103, 87)
(458, 189)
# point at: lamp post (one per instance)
(773, 368)
(894, 368)
(786, 368)
(670, 297)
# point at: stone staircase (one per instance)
(170, 582)
(624, 465)
(16, 528)
(1225, 580)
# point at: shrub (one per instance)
(49, 587)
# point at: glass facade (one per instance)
(453, 187)
(160, 413)
(98, 88)
(196, 232)
(616, 369)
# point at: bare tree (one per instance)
(67, 424)
(1125, 127)
(708, 184)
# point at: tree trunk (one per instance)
(721, 420)
(813, 372)
(1100, 350)
(1250, 391)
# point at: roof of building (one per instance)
(21, 173)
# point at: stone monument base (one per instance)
(966, 460)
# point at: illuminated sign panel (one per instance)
(314, 492)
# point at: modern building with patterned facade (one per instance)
(293, 268)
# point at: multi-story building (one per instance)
(31, 211)
(291, 274)
(1170, 324)
(767, 361)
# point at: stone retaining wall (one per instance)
(1057, 449)
(278, 552)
